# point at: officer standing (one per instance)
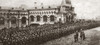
(76, 36)
(82, 35)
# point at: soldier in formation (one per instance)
(76, 36)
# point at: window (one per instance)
(52, 18)
(38, 18)
(32, 18)
(45, 18)
(13, 20)
(23, 20)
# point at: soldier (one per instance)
(76, 36)
(82, 35)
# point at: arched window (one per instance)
(38, 18)
(1, 21)
(13, 20)
(52, 18)
(23, 20)
(45, 18)
(32, 18)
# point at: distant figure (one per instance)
(76, 36)
(82, 35)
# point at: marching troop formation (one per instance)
(28, 35)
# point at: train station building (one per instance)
(15, 17)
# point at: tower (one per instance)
(66, 11)
(65, 5)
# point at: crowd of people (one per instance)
(15, 36)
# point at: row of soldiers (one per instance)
(80, 34)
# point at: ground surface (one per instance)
(92, 38)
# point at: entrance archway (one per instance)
(13, 20)
(23, 20)
(52, 18)
(32, 18)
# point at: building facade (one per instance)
(38, 15)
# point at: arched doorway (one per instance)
(45, 18)
(38, 18)
(2, 20)
(32, 18)
(23, 20)
(13, 20)
(52, 18)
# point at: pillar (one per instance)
(17, 22)
(48, 19)
(55, 19)
(20, 23)
(29, 21)
(35, 19)
(41, 19)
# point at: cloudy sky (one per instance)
(88, 9)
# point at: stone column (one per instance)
(41, 19)
(48, 19)
(35, 19)
(29, 21)
(20, 23)
(17, 22)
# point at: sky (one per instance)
(85, 9)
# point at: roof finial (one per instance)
(65, 2)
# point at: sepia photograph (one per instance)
(49, 22)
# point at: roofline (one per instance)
(11, 10)
(28, 9)
(42, 9)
